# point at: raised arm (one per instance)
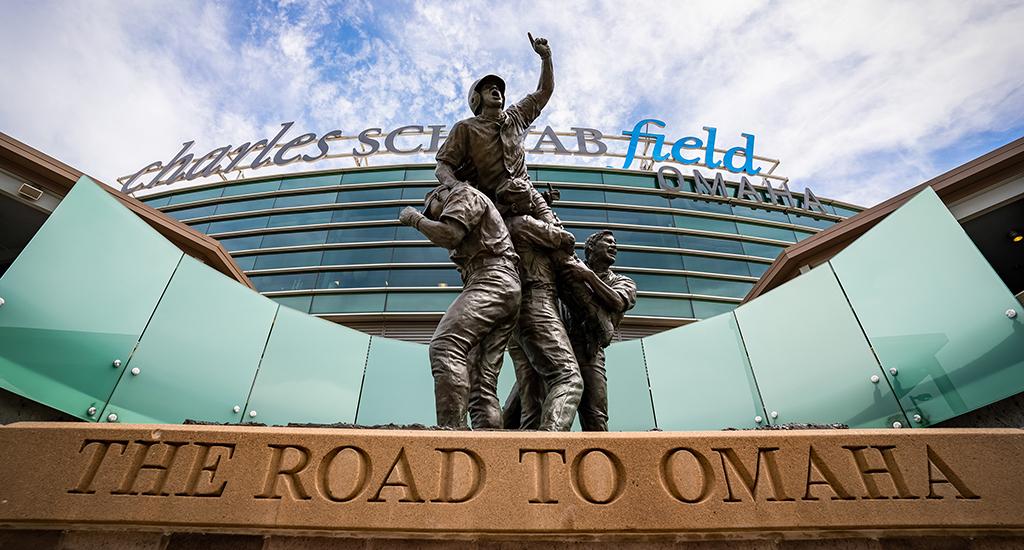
(445, 173)
(445, 233)
(546, 85)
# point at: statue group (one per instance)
(524, 289)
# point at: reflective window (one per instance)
(368, 278)
(418, 192)
(581, 195)
(300, 303)
(639, 217)
(238, 224)
(202, 227)
(569, 213)
(809, 221)
(687, 203)
(245, 263)
(245, 206)
(845, 212)
(571, 176)
(662, 307)
(758, 269)
(662, 260)
(704, 309)
(420, 254)
(640, 238)
(632, 180)
(348, 303)
(416, 174)
(718, 287)
(291, 281)
(433, 277)
(366, 195)
(710, 243)
(353, 256)
(301, 218)
(305, 200)
(707, 264)
(801, 235)
(273, 240)
(420, 301)
(256, 187)
(363, 234)
(766, 231)
(658, 283)
(581, 233)
(373, 176)
(705, 224)
(406, 233)
(763, 250)
(158, 202)
(314, 181)
(760, 213)
(241, 243)
(366, 214)
(201, 194)
(290, 259)
(195, 212)
(639, 199)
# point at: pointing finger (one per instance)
(530, 36)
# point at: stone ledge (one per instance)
(489, 487)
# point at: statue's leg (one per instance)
(594, 404)
(546, 345)
(511, 412)
(459, 331)
(529, 399)
(486, 358)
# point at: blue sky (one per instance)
(860, 100)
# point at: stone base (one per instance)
(65, 484)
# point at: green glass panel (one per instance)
(757, 270)
(571, 176)
(934, 312)
(810, 358)
(419, 254)
(631, 180)
(700, 205)
(77, 299)
(201, 227)
(199, 353)
(635, 198)
(290, 259)
(398, 387)
(766, 231)
(364, 234)
(311, 371)
(369, 278)
(700, 377)
(373, 176)
(709, 264)
(801, 235)
(648, 306)
(289, 281)
(638, 217)
(298, 303)
(300, 218)
(157, 202)
(762, 250)
(658, 283)
(242, 243)
(373, 194)
(198, 195)
(366, 213)
(238, 224)
(419, 174)
(440, 277)
(629, 399)
(718, 287)
(273, 240)
(845, 212)
(760, 213)
(659, 260)
(573, 214)
(245, 206)
(712, 244)
(195, 212)
(255, 187)
(348, 303)
(705, 224)
(326, 180)
(246, 263)
(704, 309)
(581, 195)
(305, 200)
(809, 221)
(416, 193)
(420, 301)
(355, 256)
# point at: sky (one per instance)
(859, 99)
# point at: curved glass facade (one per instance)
(330, 244)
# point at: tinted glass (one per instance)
(662, 307)
(299, 303)
(396, 374)
(569, 176)
(256, 187)
(662, 260)
(581, 195)
(642, 238)
(362, 234)
(762, 250)
(424, 277)
(348, 303)
(757, 270)
(417, 192)
(366, 214)
(694, 242)
(157, 202)
(416, 174)
(419, 301)
(201, 227)
(313, 181)
(194, 212)
(766, 231)
(705, 309)
(843, 211)
(810, 221)
(305, 200)
(273, 240)
(629, 394)
(707, 264)
(199, 195)
(630, 180)
(245, 206)
(245, 263)
(640, 199)
(406, 233)
(291, 281)
(365, 195)
(373, 176)
(658, 283)
(351, 256)
(760, 213)
(705, 224)
(718, 287)
(241, 243)
(238, 224)
(290, 259)
(369, 278)
(639, 217)
(687, 203)
(569, 213)
(420, 254)
(301, 218)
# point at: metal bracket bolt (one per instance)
(116, 363)
(2, 302)
(252, 414)
(236, 409)
(91, 411)
(1010, 313)
(112, 417)
(894, 371)
(918, 418)
(758, 419)
(136, 371)
(774, 414)
(897, 424)
(875, 378)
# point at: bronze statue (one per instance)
(469, 342)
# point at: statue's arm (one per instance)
(546, 86)
(609, 298)
(446, 233)
(445, 173)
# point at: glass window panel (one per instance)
(568, 213)
(366, 214)
(363, 234)
(705, 224)
(756, 270)
(273, 240)
(245, 206)
(298, 303)
(641, 238)
(639, 199)
(662, 307)
(197, 195)
(238, 224)
(305, 200)
(255, 187)
(157, 202)
(416, 174)
(241, 243)
(204, 341)
(373, 176)
(932, 307)
(290, 259)
(705, 309)
(706, 264)
(763, 250)
(845, 212)
(629, 398)
(766, 231)
(581, 195)
(420, 254)
(299, 382)
(810, 357)
(662, 260)
(201, 227)
(194, 212)
(639, 217)
(289, 281)
(658, 283)
(350, 303)
(71, 307)
(369, 278)
(245, 263)
(420, 301)
(699, 205)
(810, 221)
(366, 195)
(801, 235)
(440, 277)
(571, 176)
(581, 233)
(712, 244)
(406, 233)
(301, 218)
(418, 192)
(700, 377)
(632, 180)
(352, 256)
(326, 180)
(397, 373)
(718, 287)
(760, 213)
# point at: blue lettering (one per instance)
(748, 157)
(636, 134)
(688, 142)
(709, 150)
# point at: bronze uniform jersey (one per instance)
(486, 235)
